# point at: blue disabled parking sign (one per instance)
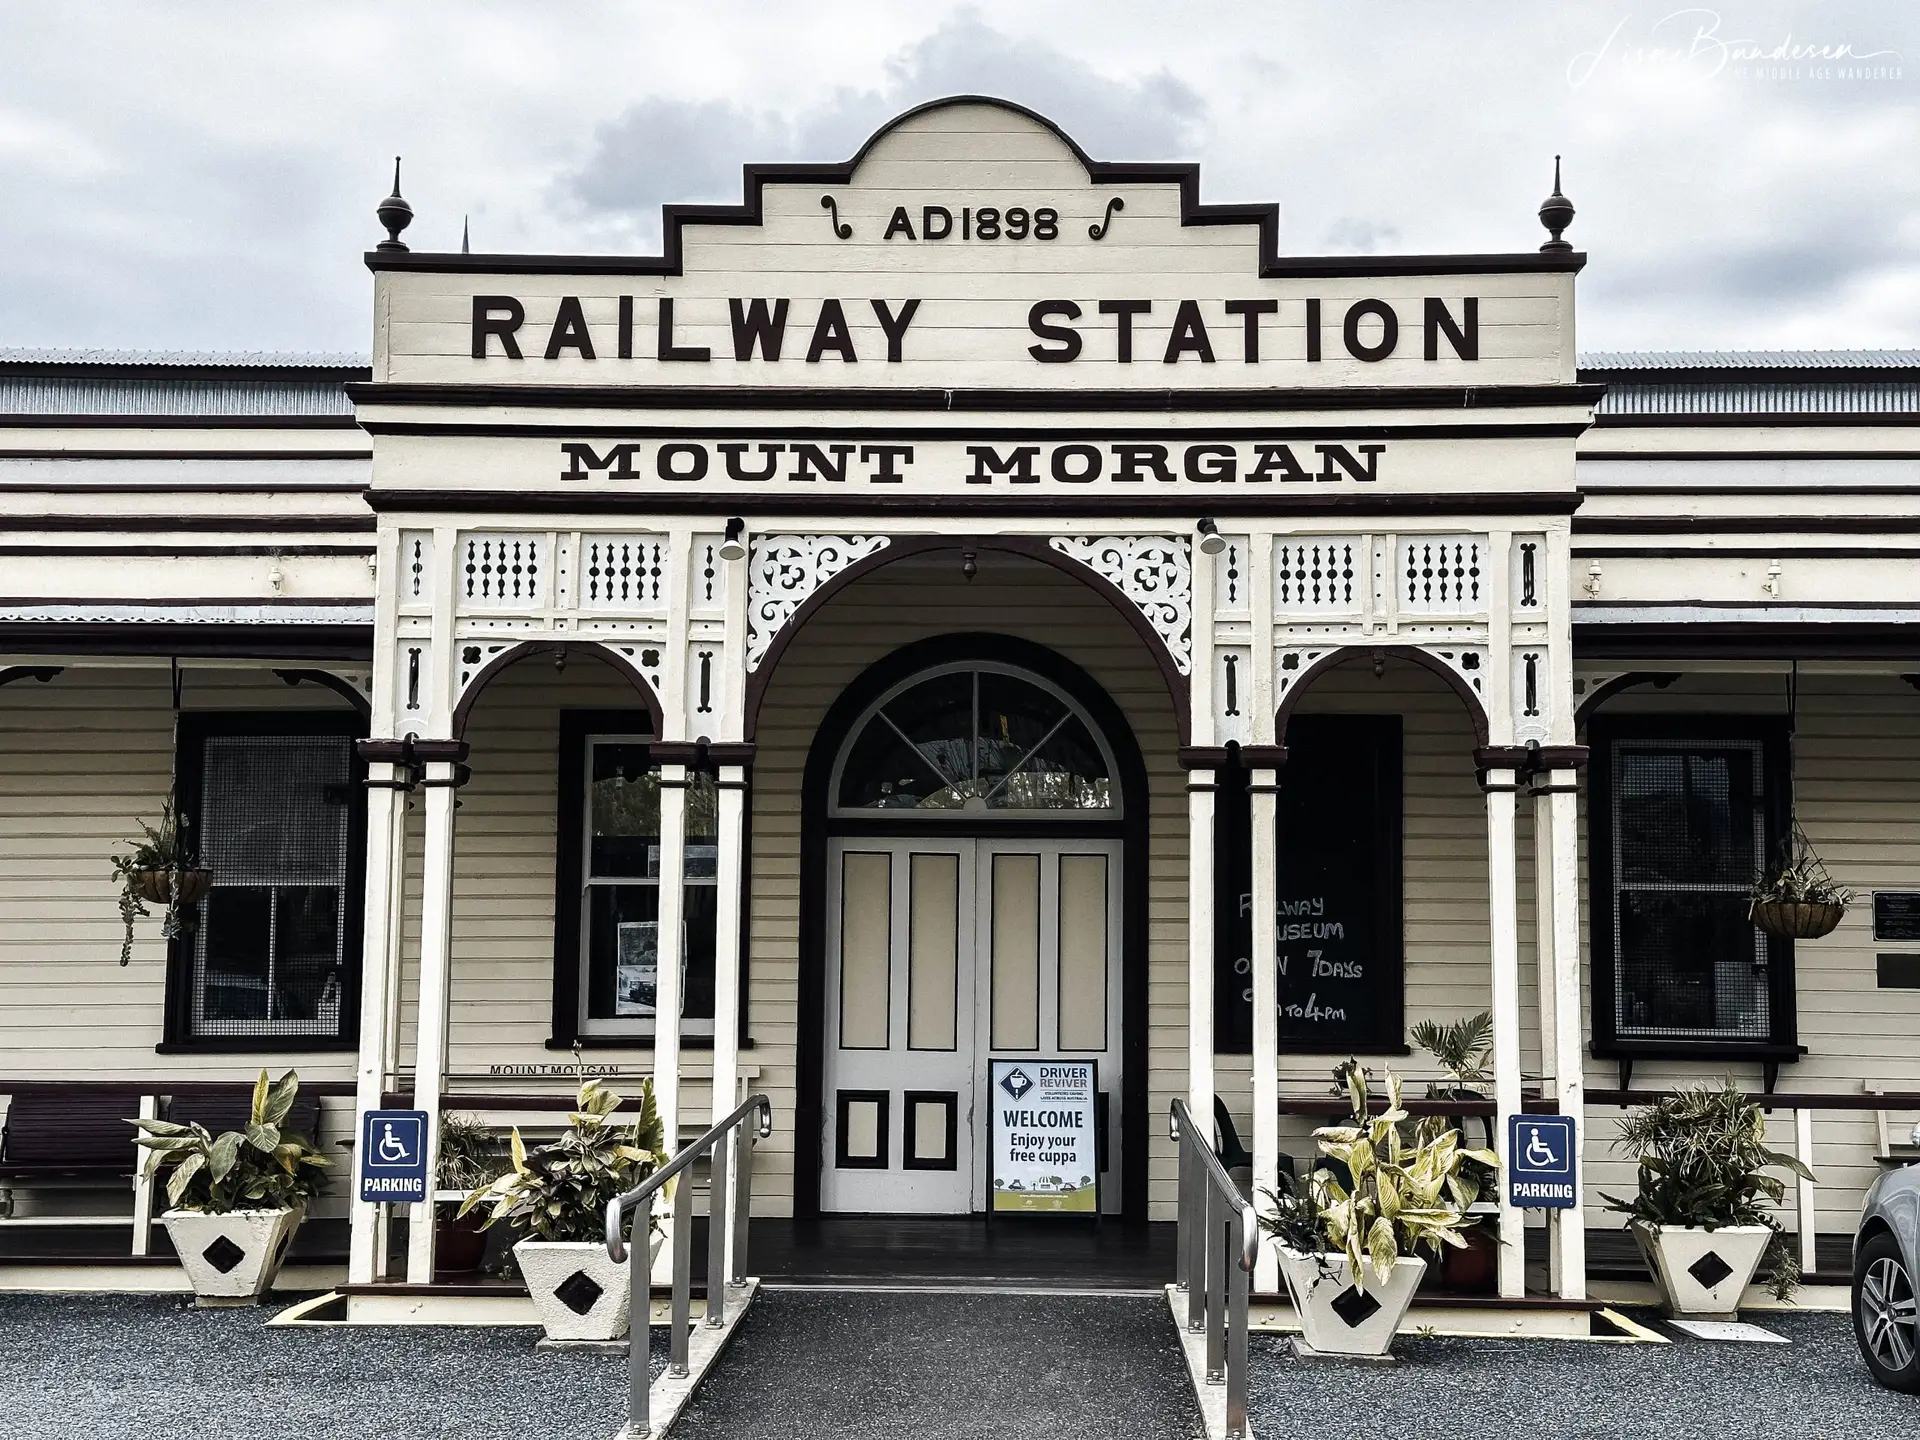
(393, 1156)
(1540, 1162)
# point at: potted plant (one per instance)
(1698, 1217)
(1348, 1249)
(470, 1159)
(236, 1199)
(1796, 898)
(1464, 1049)
(162, 869)
(555, 1197)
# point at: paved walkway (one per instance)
(1573, 1390)
(859, 1365)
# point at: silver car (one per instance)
(1886, 1279)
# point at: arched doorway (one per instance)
(974, 822)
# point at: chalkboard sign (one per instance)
(1337, 931)
(1337, 934)
(1896, 914)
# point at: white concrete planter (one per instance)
(1702, 1273)
(578, 1293)
(231, 1259)
(1336, 1318)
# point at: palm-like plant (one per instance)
(559, 1190)
(1406, 1192)
(264, 1167)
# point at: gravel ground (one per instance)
(106, 1366)
(1570, 1390)
(942, 1366)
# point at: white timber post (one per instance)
(1200, 857)
(1569, 1061)
(366, 1250)
(727, 950)
(1544, 976)
(1805, 1211)
(670, 940)
(1499, 777)
(444, 774)
(1503, 915)
(1263, 798)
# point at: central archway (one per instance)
(1089, 795)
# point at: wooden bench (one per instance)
(73, 1132)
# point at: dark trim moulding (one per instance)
(935, 506)
(190, 487)
(171, 551)
(1590, 457)
(996, 434)
(44, 453)
(1747, 525)
(1771, 419)
(829, 397)
(1709, 640)
(1742, 552)
(191, 524)
(199, 642)
(755, 179)
(102, 421)
(1754, 492)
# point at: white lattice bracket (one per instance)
(473, 657)
(1154, 572)
(1469, 662)
(646, 657)
(1292, 662)
(783, 571)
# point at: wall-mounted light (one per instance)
(734, 546)
(1212, 542)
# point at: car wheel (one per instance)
(1885, 1319)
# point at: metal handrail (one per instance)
(735, 1156)
(1219, 1243)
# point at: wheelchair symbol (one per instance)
(393, 1149)
(1540, 1154)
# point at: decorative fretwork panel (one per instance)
(622, 572)
(415, 577)
(709, 576)
(784, 570)
(1442, 574)
(1154, 572)
(502, 571)
(1528, 583)
(1231, 577)
(1319, 574)
(1233, 694)
(1533, 699)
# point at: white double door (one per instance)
(941, 953)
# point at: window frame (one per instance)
(192, 730)
(1112, 816)
(570, 1026)
(1603, 733)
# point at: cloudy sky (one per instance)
(196, 174)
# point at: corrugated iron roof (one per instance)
(189, 359)
(1749, 360)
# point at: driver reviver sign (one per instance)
(1045, 1155)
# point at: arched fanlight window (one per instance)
(972, 738)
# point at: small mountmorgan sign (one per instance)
(1045, 1151)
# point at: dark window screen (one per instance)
(269, 951)
(1689, 834)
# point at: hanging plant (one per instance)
(162, 869)
(1795, 898)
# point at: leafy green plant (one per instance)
(166, 850)
(1798, 877)
(1407, 1186)
(1703, 1162)
(559, 1190)
(470, 1155)
(263, 1167)
(1464, 1049)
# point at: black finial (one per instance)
(1556, 213)
(395, 214)
(463, 236)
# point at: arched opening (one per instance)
(973, 885)
(560, 655)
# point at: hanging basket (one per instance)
(156, 886)
(1797, 919)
